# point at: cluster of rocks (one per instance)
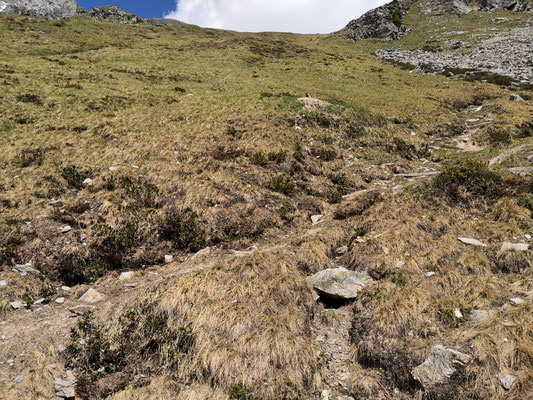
(46, 8)
(507, 54)
(65, 388)
(461, 7)
(113, 14)
(386, 22)
(380, 23)
(55, 9)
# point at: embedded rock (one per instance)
(339, 283)
(92, 296)
(440, 365)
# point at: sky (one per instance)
(299, 16)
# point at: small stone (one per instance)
(507, 381)
(458, 314)
(204, 252)
(18, 379)
(66, 288)
(58, 203)
(515, 97)
(315, 219)
(25, 269)
(507, 246)
(3, 283)
(88, 182)
(341, 250)
(517, 301)
(399, 264)
(60, 300)
(125, 276)
(66, 229)
(92, 296)
(527, 237)
(324, 395)
(430, 274)
(168, 259)
(113, 169)
(80, 310)
(477, 316)
(471, 242)
(15, 305)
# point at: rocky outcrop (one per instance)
(461, 7)
(507, 54)
(381, 23)
(45, 8)
(113, 14)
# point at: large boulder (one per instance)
(381, 23)
(339, 283)
(440, 365)
(45, 8)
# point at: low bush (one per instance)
(283, 183)
(499, 137)
(30, 98)
(74, 176)
(259, 158)
(28, 157)
(184, 229)
(470, 176)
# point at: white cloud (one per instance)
(302, 16)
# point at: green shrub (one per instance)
(8, 253)
(28, 157)
(74, 176)
(277, 156)
(470, 175)
(184, 229)
(525, 130)
(241, 391)
(499, 137)
(324, 153)
(283, 183)
(91, 351)
(526, 201)
(140, 191)
(259, 158)
(30, 98)
(397, 17)
(334, 197)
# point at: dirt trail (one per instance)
(332, 330)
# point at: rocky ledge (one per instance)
(507, 54)
(45, 8)
(381, 23)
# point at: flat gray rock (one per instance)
(471, 242)
(507, 246)
(507, 381)
(92, 296)
(440, 365)
(339, 283)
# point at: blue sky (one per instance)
(299, 16)
(142, 8)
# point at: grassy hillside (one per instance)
(148, 142)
